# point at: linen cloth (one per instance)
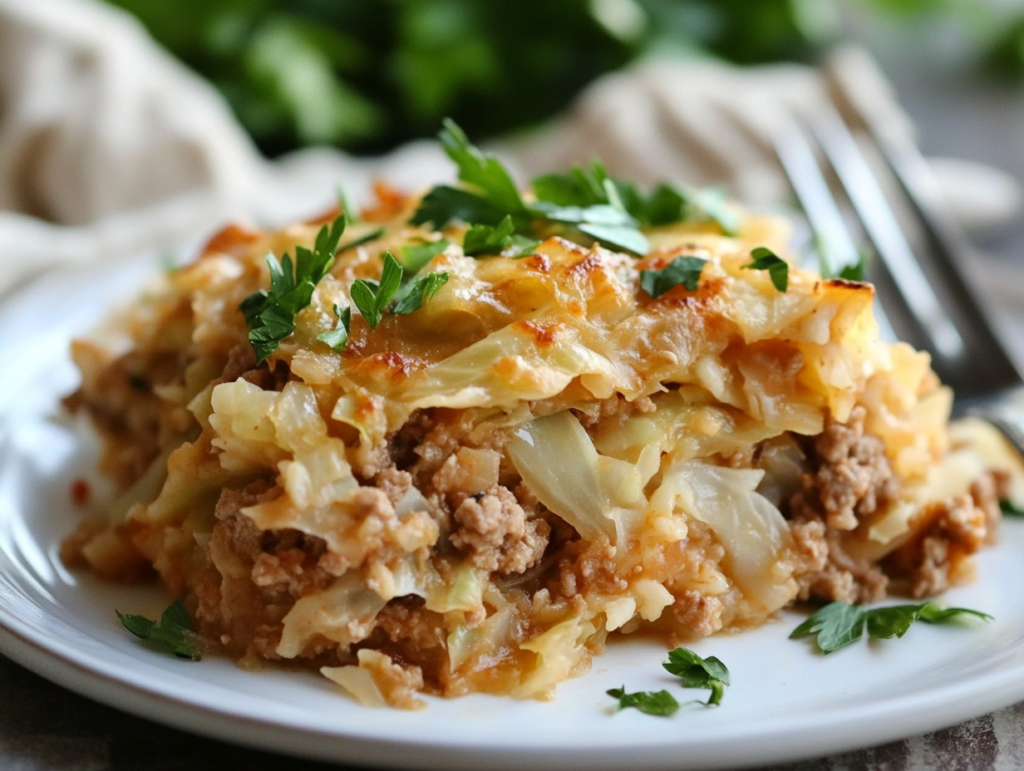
(109, 146)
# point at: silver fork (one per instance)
(928, 297)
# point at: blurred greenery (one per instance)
(366, 75)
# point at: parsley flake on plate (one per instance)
(271, 313)
(660, 703)
(778, 268)
(696, 672)
(1009, 508)
(683, 270)
(173, 632)
(839, 624)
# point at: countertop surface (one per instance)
(46, 728)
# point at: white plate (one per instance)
(786, 702)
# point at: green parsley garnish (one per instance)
(659, 703)
(666, 204)
(484, 239)
(857, 271)
(482, 172)
(337, 338)
(271, 314)
(778, 268)
(373, 235)
(699, 673)
(491, 199)
(415, 256)
(372, 298)
(1009, 509)
(413, 295)
(173, 632)
(839, 624)
(684, 270)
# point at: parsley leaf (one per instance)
(337, 338)
(484, 239)
(606, 223)
(415, 256)
(836, 625)
(415, 294)
(444, 204)
(665, 205)
(1009, 509)
(699, 673)
(372, 297)
(839, 624)
(173, 632)
(710, 205)
(858, 270)
(778, 268)
(683, 270)
(373, 235)
(270, 315)
(659, 703)
(482, 172)
(580, 187)
(493, 198)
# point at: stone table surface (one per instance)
(46, 728)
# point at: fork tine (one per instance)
(884, 230)
(836, 245)
(859, 88)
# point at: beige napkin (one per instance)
(108, 146)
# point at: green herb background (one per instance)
(366, 75)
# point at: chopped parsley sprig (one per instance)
(839, 624)
(660, 703)
(271, 313)
(778, 268)
(373, 298)
(696, 672)
(337, 338)
(1009, 508)
(586, 203)
(683, 270)
(173, 632)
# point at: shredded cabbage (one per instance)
(344, 612)
(751, 529)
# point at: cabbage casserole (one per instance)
(472, 496)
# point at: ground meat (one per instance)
(986, 492)
(853, 478)
(846, 578)
(702, 614)
(613, 410)
(954, 530)
(810, 551)
(393, 483)
(242, 364)
(589, 567)
(493, 531)
(397, 684)
(253, 576)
